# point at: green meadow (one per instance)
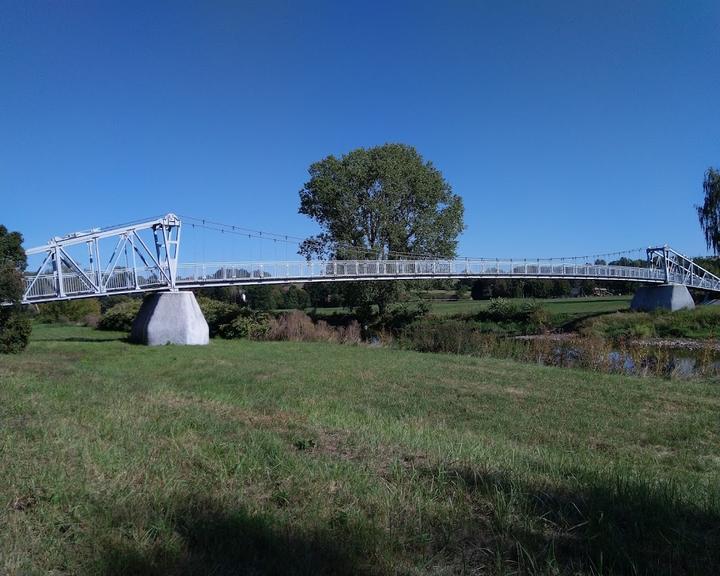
(250, 457)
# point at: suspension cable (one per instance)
(289, 239)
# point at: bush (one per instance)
(502, 309)
(511, 317)
(403, 315)
(535, 315)
(120, 317)
(217, 313)
(247, 324)
(108, 302)
(15, 329)
(83, 310)
(15, 326)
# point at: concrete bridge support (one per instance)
(170, 318)
(663, 297)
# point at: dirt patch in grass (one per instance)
(22, 503)
(379, 459)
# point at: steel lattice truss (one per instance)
(143, 257)
(679, 269)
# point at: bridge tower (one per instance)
(172, 317)
(679, 272)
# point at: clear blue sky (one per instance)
(568, 127)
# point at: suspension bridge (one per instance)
(145, 257)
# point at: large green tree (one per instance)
(385, 202)
(709, 212)
(15, 326)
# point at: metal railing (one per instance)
(144, 256)
(223, 273)
(43, 288)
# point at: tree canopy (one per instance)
(384, 202)
(14, 325)
(709, 212)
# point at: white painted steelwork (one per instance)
(60, 277)
(131, 267)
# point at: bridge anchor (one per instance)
(662, 297)
(170, 318)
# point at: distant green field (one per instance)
(565, 306)
(293, 458)
(556, 306)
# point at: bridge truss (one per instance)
(144, 257)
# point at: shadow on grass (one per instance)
(212, 540)
(502, 524)
(80, 339)
(610, 526)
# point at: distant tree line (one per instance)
(262, 297)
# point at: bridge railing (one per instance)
(692, 281)
(258, 272)
(45, 286)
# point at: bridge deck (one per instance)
(44, 288)
(145, 258)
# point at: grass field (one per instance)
(294, 458)
(567, 307)
(556, 306)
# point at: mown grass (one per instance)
(559, 307)
(564, 308)
(296, 458)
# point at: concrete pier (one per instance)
(663, 297)
(170, 318)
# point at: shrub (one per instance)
(403, 315)
(15, 326)
(69, 311)
(108, 302)
(15, 329)
(120, 317)
(217, 313)
(535, 315)
(502, 309)
(247, 324)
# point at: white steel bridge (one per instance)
(144, 257)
